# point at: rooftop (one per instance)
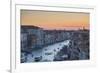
(30, 27)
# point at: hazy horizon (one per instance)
(55, 20)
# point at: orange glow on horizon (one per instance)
(55, 20)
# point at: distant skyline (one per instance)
(55, 20)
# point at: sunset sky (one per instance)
(55, 20)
